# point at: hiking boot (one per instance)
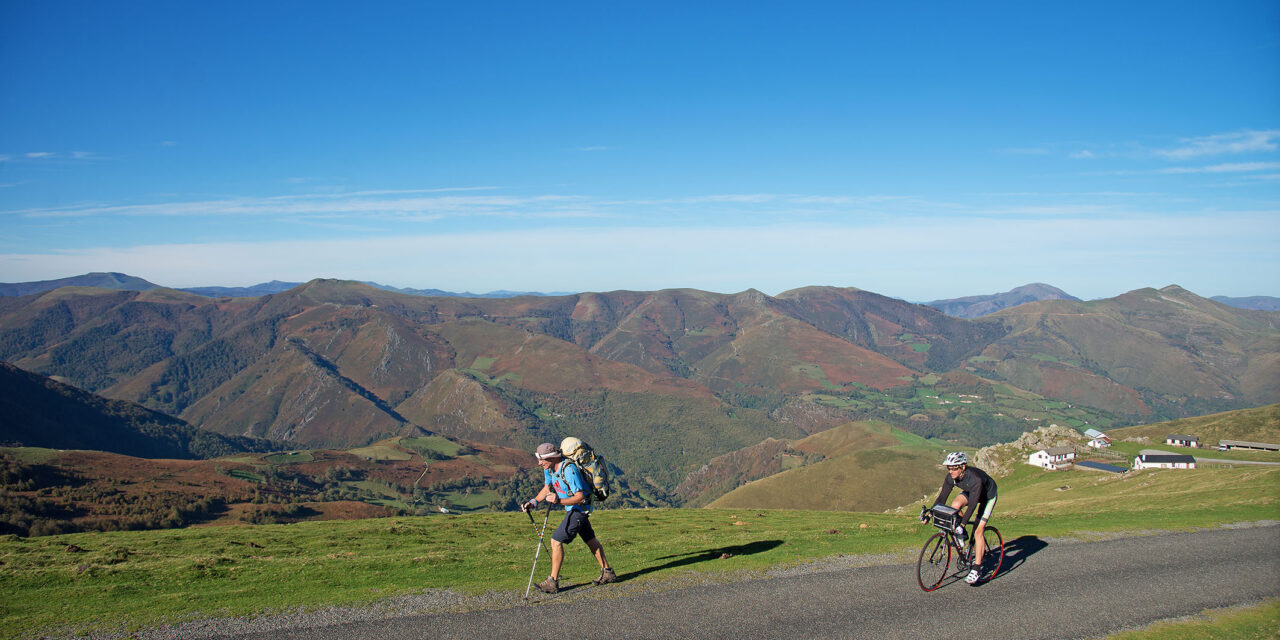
(606, 576)
(550, 585)
(973, 576)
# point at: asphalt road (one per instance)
(1056, 589)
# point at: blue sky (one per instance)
(920, 150)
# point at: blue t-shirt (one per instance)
(566, 482)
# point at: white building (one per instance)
(1164, 461)
(1053, 458)
(1182, 441)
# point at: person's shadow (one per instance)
(1017, 551)
(694, 557)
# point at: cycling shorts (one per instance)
(985, 509)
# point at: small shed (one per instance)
(1226, 445)
(1182, 441)
(1164, 461)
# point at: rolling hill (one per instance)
(864, 466)
(978, 306)
(1251, 425)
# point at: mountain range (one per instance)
(125, 282)
(965, 307)
(662, 382)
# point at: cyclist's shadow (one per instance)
(1017, 551)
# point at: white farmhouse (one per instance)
(1097, 439)
(1182, 441)
(1164, 461)
(1053, 458)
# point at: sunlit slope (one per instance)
(869, 467)
(1165, 344)
(1152, 498)
(1251, 425)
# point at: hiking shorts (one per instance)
(575, 523)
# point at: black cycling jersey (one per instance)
(975, 484)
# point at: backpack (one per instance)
(594, 469)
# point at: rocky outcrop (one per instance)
(1001, 459)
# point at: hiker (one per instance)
(563, 485)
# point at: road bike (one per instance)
(935, 563)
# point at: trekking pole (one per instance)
(542, 532)
(535, 526)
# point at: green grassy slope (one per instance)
(868, 466)
(142, 578)
(1253, 425)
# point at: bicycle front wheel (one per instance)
(935, 560)
(994, 555)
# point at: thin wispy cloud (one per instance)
(47, 156)
(1232, 167)
(1220, 144)
(396, 204)
(1232, 143)
(478, 203)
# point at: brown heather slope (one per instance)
(787, 355)
(916, 335)
(457, 405)
(293, 394)
(540, 363)
(1170, 345)
(382, 352)
(667, 331)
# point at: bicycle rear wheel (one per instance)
(934, 563)
(994, 555)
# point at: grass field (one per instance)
(95, 581)
(1248, 623)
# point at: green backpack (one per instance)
(594, 469)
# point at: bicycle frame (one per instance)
(934, 564)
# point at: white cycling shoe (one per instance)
(972, 578)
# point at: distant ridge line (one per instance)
(968, 307)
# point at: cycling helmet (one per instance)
(954, 458)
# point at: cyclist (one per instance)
(977, 492)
